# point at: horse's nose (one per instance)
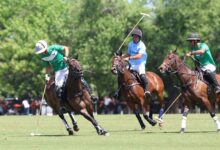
(113, 70)
(160, 68)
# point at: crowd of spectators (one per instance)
(105, 105)
(110, 105)
(15, 106)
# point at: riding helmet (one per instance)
(193, 36)
(137, 31)
(40, 46)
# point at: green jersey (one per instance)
(54, 57)
(205, 58)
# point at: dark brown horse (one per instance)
(53, 101)
(194, 89)
(78, 98)
(133, 92)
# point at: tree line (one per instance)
(94, 30)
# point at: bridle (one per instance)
(177, 69)
(174, 70)
(120, 67)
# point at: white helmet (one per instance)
(40, 46)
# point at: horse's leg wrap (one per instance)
(60, 94)
(75, 125)
(183, 123)
(70, 131)
(184, 118)
(151, 121)
(161, 113)
(217, 123)
(137, 114)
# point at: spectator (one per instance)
(107, 103)
(26, 107)
(35, 107)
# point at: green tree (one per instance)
(22, 23)
(102, 27)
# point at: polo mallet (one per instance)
(159, 119)
(143, 15)
(36, 133)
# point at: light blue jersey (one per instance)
(136, 48)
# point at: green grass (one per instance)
(125, 134)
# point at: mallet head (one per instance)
(144, 14)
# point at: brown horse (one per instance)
(133, 92)
(78, 98)
(194, 89)
(53, 101)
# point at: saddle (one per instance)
(51, 82)
(136, 75)
(199, 73)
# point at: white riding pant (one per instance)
(60, 77)
(139, 68)
(209, 67)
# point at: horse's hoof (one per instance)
(70, 131)
(153, 123)
(143, 127)
(76, 128)
(103, 132)
(182, 130)
(107, 134)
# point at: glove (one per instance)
(47, 77)
(118, 53)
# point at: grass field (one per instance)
(125, 134)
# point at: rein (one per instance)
(121, 71)
(177, 71)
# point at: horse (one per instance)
(194, 89)
(53, 101)
(77, 97)
(133, 92)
